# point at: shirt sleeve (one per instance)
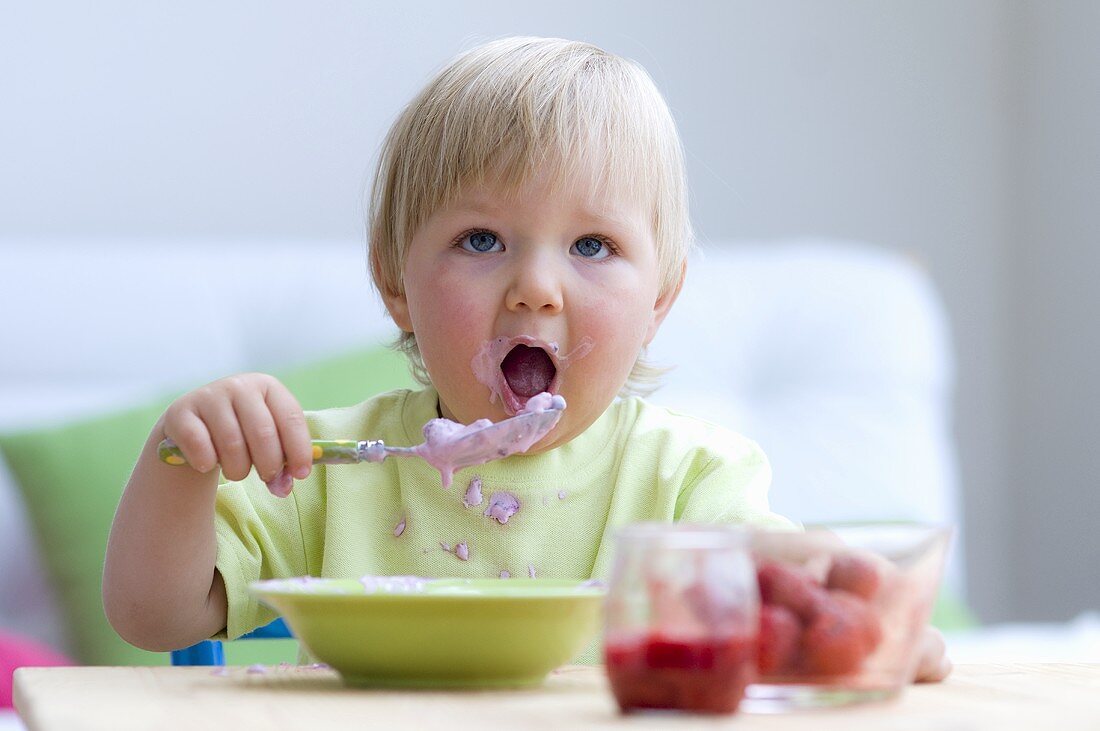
(259, 537)
(731, 486)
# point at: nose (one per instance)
(536, 286)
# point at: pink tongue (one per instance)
(528, 371)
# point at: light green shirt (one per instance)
(637, 462)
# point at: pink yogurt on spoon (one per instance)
(449, 446)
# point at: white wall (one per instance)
(1054, 314)
(891, 122)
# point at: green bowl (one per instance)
(457, 633)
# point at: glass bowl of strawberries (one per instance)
(842, 611)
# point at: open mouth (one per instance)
(528, 370)
(518, 367)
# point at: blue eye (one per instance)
(481, 242)
(591, 248)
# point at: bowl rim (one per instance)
(932, 531)
(902, 523)
(432, 589)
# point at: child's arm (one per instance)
(160, 588)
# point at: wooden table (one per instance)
(1047, 697)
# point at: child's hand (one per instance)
(239, 422)
(934, 665)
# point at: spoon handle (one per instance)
(325, 451)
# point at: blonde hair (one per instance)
(515, 108)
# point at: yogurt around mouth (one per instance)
(487, 367)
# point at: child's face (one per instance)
(539, 268)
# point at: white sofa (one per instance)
(833, 355)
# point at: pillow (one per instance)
(18, 652)
(72, 477)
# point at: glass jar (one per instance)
(682, 617)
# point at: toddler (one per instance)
(528, 233)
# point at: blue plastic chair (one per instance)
(211, 652)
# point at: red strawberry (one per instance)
(851, 572)
(832, 644)
(862, 613)
(778, 641)
(787, 586)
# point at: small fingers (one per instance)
(189, 432)
(228, 437)
(293, 430)
(260, 434)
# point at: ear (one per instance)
(398, 306)
(664, 304)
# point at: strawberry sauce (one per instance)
(699, 675)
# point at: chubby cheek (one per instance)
(617, 328)
(446, 322)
